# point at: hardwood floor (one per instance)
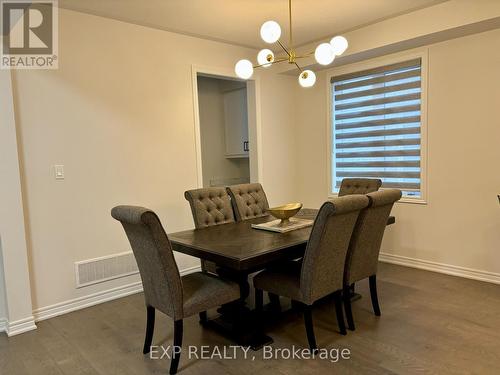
(430, 323)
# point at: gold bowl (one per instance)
(285, 212)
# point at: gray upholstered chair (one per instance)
(164, 289)
(210, 206)
(322, 268)
(249, 201)
(362, 257)
(359, 186)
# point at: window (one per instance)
(376, 118)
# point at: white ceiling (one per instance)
(238, 21)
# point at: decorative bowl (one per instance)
(285, 212)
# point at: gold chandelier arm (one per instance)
(284, 48)
(291, 59)
(277, 61)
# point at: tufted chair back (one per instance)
(324, 258)
(152, 250)
(364, 248)
(210, 206)
(359, 186)
(248, 200)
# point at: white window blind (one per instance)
(376, 126)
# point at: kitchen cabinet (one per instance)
(236, 123)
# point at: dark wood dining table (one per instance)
(239, 250)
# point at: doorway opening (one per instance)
(224, 131)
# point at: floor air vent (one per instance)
(98, 270)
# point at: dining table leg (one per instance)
(237, 321)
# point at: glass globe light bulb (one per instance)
(265, 57)
(307, 78)
(324, 54)
(339, 45)
(270, 31)
(243, 69)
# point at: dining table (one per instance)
(239, 250)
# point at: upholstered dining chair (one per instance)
(359, 186)
(249, 201)
(362, 256)
(164, 289)
(350, 186)
(321, 271)
(210, 206)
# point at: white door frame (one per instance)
(254, 120)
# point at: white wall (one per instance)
(212, 129)
(460, 224)
(118, 113)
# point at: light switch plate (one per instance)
(59, 172)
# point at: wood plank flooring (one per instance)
(430, 324)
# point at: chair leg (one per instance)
(203, 317)
(339, 313)
(309, 328)
(150, 327)
(177, 348)
(346, 294)
(275, 301)
(373, 294)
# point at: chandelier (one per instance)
(270, 33)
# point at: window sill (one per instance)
(412, 200)
(402, 200)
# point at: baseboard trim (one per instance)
(86, 301)
(20, 326)
(3, 325)
(66, 307)
(447, 269)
